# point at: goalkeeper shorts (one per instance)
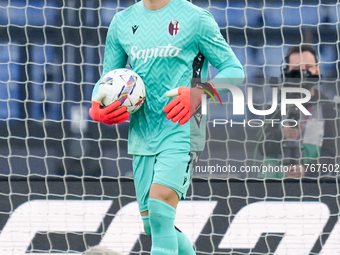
(171, 168)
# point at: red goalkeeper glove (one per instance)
(184, 105)
(111, 114)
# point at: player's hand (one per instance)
(184, 105)
(111, 114)
(290, 133)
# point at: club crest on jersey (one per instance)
(173, 27)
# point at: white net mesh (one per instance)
(260, 33)
(51, 54)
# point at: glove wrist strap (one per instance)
(208, 87)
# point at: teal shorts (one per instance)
(170, 168)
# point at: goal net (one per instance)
(66, 181)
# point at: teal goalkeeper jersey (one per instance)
(167, 48)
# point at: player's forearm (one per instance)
(229, 74)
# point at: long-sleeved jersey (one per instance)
(167, 48)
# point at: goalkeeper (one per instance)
(167, 42)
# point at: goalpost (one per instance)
(59, 169)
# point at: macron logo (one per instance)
(159, 51)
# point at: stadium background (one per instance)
(51, 54)
(50, 57)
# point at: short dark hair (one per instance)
(300, 49)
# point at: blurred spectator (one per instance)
(303, 148)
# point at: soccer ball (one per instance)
(124, 85)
